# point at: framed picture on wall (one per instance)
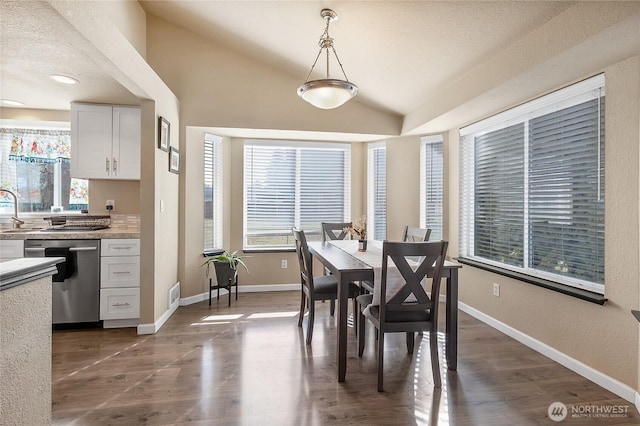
(163, 134)
(174, 160)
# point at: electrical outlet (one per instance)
(111, 205)
(284, 264)
(496, 289)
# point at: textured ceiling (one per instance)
(396, 52)
(35, 41)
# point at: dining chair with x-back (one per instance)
(400, 303)
(324, 287)
(415, 234)
(335, 230)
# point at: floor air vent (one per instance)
(174, 295)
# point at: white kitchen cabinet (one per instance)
(119, 282)
(120, 271)
(11, 249)
(119, 304)
(105, 142)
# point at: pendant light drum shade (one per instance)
(327, 93)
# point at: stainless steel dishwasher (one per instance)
(76, 288)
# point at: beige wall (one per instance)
(403, 185)
(265, 268)
(125, 194)
(131, 20)
(220, 88)
(158, 229)
(35, 114)
(602, 337)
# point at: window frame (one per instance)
(213, 144)
(427, 182)
(557, 101)
(56, 190)
(373, 193)
(298, 146)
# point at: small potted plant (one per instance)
(359, 231)
(226, 265)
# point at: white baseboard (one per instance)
(154, 327)
(131, 322)
(609, 383)
(184, 301)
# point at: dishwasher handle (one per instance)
(41, 249)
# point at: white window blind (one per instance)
(432, 185)
(377, 193)
(288, 184)
(212, 192)
(532, 188)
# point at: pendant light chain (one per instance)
(326, 42)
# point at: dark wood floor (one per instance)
(249, 365)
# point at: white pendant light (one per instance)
(327, 93)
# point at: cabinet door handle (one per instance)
(115, 165)
(106, 165)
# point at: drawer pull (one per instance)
(121, 273)
(117, 305)
(121, 248)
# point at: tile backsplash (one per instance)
(126, 221)
(119, 221)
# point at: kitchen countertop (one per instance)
(21, 271)
(43, 234)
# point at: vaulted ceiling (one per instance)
(397, 52)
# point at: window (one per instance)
(212, 192)
(289, 184)
(431, 185)
(377, 197)
(532, 188)
(34, 164)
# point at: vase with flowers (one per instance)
(359, 230)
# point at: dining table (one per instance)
(341, 258)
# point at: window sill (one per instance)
(550, 285)
(266, 250)
(212, 252)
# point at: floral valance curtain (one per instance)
(37, 145)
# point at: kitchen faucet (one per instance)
(16, 222)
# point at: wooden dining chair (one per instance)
(409, 308)
(335, 230)
(324, 287)
(409, 234)
(415, 234)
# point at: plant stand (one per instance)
(227, 278)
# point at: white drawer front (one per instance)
(120, 247)
(119, 303)
(123, 271)
(11, 249)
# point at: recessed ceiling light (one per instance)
(11, 102)
(63, 79)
